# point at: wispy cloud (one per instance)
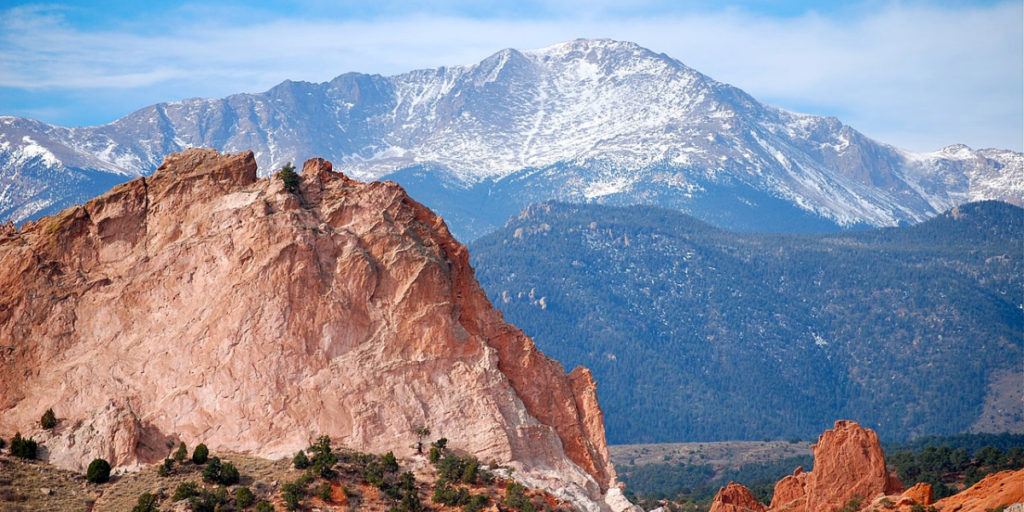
(916, 75)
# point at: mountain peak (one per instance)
(615, 121)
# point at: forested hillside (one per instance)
(698, 334)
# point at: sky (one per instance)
(920, 75)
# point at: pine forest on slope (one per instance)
(582, 121)
(695, 333)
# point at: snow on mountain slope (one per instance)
(586, 120)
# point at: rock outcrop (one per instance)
(848, 462)
(736, 498)
(204, 305)
(1004, 488)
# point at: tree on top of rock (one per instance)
(289, 177)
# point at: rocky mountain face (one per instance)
(206, 305)
(582, 121)
(683, 323)
(850, 475)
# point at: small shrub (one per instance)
(324, 459)
(23, 448)
(289, 177)
(209, 501)
(185, 491)
(182, 453)
(437, 449)
(49, 420)
(244, 498)
(146, 503)
(3, 443)
(229, 474)
(200, 454)
(98, 472)
(323, 491)
(263, 507)
(389, 463)
(515, 497)
(212, 471)
(293, 492)
(301, 461)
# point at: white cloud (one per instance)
(917, 76)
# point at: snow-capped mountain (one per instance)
(583, 121)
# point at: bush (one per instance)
(515, 497)
(264, 507)
(293, 492)
(201, 454)
(23, 448)
(98, 472)
(147, 503)
(182, 453)
(324, 492)
(323, 458)
(212, 471)
(437, 449)
(229, 474)
(289, 177)
(300, 461)
(220, 473)
(389, 463)
(244, 498)
(49, 420)
(3, 443)
(185, 491)
(453, 468)
(209, 501)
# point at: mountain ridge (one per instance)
(673, 314)
(581, 121)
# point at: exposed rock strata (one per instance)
(214, 307)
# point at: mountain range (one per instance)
(588, 121)
(695, 333)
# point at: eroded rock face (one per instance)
(736, 498)
(1004, 488)
(848, 462)
(217, 308)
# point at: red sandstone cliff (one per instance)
(205, 305)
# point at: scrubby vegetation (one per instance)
(23, 448)
(49, 419)
(98, 471)
(338, 479)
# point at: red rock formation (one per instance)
(920, 494)
(736, 498)
(848, 462)
(1005, 488)
(205, 305)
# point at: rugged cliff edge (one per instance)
(204, 305)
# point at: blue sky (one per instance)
(920, 75)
